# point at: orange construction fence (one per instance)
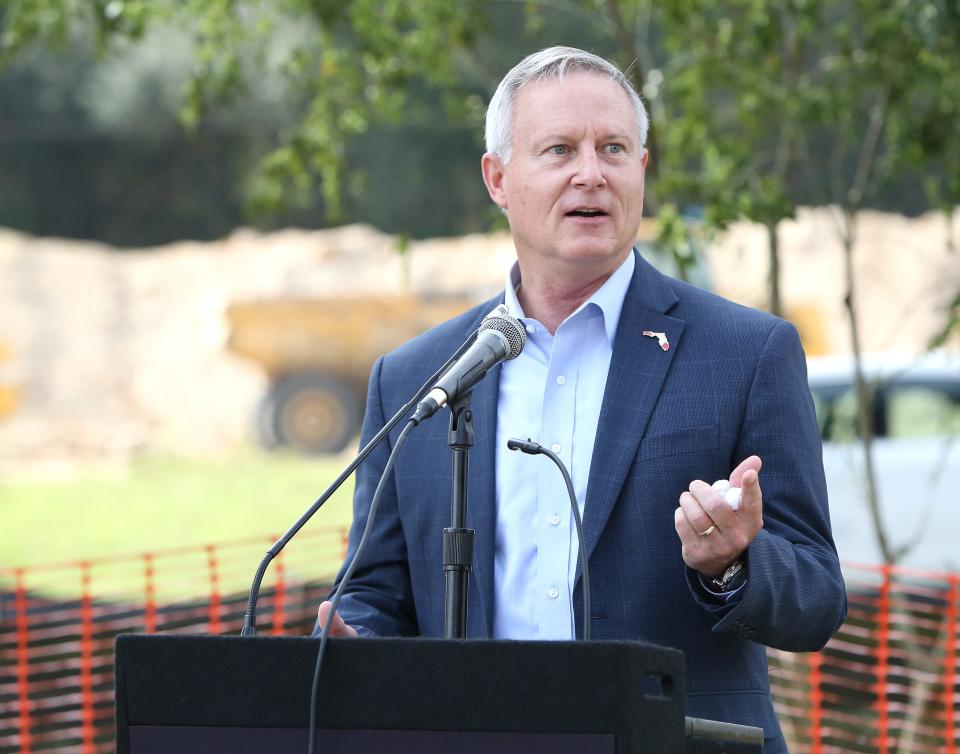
(58, 624)
(887, 683)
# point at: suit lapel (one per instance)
(638, 368)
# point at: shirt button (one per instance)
(553, 593)
(531, 329)
(555, 519)
(555, 447)
(561, 379)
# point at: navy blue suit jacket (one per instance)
(732, 384)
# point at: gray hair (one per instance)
(552, 62)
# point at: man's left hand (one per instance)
(712, 533)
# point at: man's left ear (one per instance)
(493, 174)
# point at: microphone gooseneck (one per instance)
(347, 575)
(535, 449)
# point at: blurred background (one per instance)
(214, 216)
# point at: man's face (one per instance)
(573, 189)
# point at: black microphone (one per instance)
(500, 338)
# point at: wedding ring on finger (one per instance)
(709, 531)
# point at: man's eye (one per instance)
(559, 149)
(614, 148)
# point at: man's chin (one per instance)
(593, 251)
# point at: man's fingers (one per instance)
(752, 463)
(751, 498)
(697, 517)
(339, 627)
(714, 508)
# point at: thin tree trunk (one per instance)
(864, 392)
(773, 238)
(949, 215)
(635, 73)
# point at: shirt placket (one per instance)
(553, 506)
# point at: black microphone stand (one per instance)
(457, 539)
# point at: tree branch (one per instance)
(868, 150)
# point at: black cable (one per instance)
(534, 448)
(348, 573)
(250, 616)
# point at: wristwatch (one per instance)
(731, 578)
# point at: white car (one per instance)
(916, 452)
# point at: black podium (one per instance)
(237, 695)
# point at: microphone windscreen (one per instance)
(510, 328)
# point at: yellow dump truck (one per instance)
(318, 355)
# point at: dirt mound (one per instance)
(114, 353)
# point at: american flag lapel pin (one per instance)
(661, 338)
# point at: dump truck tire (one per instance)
(310, 412)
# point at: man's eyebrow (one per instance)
(558, 138)
(551, 139)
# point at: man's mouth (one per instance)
(586, 212)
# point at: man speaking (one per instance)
(648, 389)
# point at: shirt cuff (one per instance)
(723, 597)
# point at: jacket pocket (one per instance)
(690, 440)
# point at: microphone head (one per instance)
(507, 326)
(529, 447)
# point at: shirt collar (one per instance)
(608, 298)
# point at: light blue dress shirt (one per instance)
(551, 393)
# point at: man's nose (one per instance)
(589, 170)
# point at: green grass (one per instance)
(158, 503)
